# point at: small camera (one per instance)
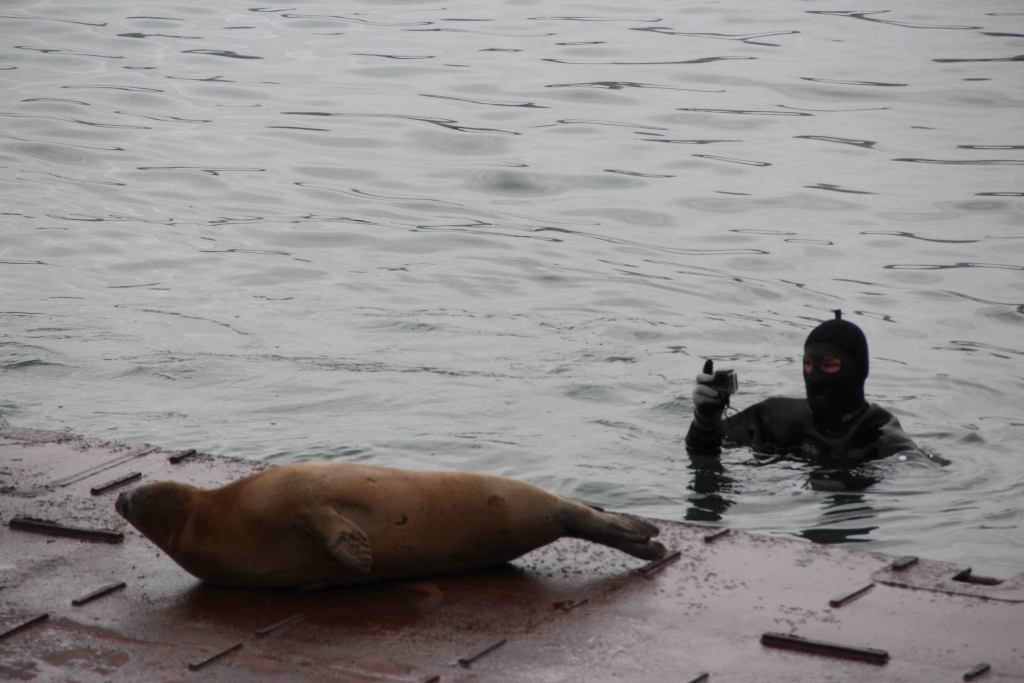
(725, 382)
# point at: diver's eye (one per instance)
(831, 365)
(808, 364)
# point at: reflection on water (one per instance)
(716, 491)
(712, 486)
(439, 237)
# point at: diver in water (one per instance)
(834, 426)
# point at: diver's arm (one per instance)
(706, 436)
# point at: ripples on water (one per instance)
(503, 238)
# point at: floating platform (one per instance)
(84, 597)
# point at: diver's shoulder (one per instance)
(877, 414)
(784, 404)
(779, 412)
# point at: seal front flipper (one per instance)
(340, 535)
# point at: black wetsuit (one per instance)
(785, 426)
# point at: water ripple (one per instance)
(205, 171)
(525, 105)
(866, 144)
(950, 266)
(972, 346)
(638, 174)
(445, 29)
(619, 85)
(608, 123)
(62, 21)
(745, 162)
(901, 233)
(81, 122)
(783, 106)
(688, 142)
(450, 124)
(967, 162)
(1015, 58)
(835, 188)
(990, 147)
(654, 247)
(342, 18)
(370, 54)
(62, 51)
(702, 60)
(867, 16)
(43, 144)
(748, 38)
(604, 19)
(126, 88)
(219, 53)
(157, 35)
(747, 112)
(840, 82)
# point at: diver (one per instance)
(834, 427)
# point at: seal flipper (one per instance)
(341, 536)
(629, 534)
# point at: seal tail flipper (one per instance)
(342, 537)
(629, 534)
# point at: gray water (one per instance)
(503, 237)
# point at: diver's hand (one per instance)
(708, 403)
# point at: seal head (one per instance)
(158, 510)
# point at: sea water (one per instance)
(504, 236)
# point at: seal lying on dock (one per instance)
(317, 524)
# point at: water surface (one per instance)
(503, 237)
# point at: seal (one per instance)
(318, 524)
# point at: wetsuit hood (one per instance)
(836, 398)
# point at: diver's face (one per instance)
(825, 362)
(830, 375)
(829, 365)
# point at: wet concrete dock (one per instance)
(734, 606)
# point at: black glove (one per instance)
(708, 402)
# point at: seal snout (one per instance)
(123, 503)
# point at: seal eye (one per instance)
(808, 364)
(831, 365)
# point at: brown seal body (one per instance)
(334, 523)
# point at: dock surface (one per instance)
(84, 597)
